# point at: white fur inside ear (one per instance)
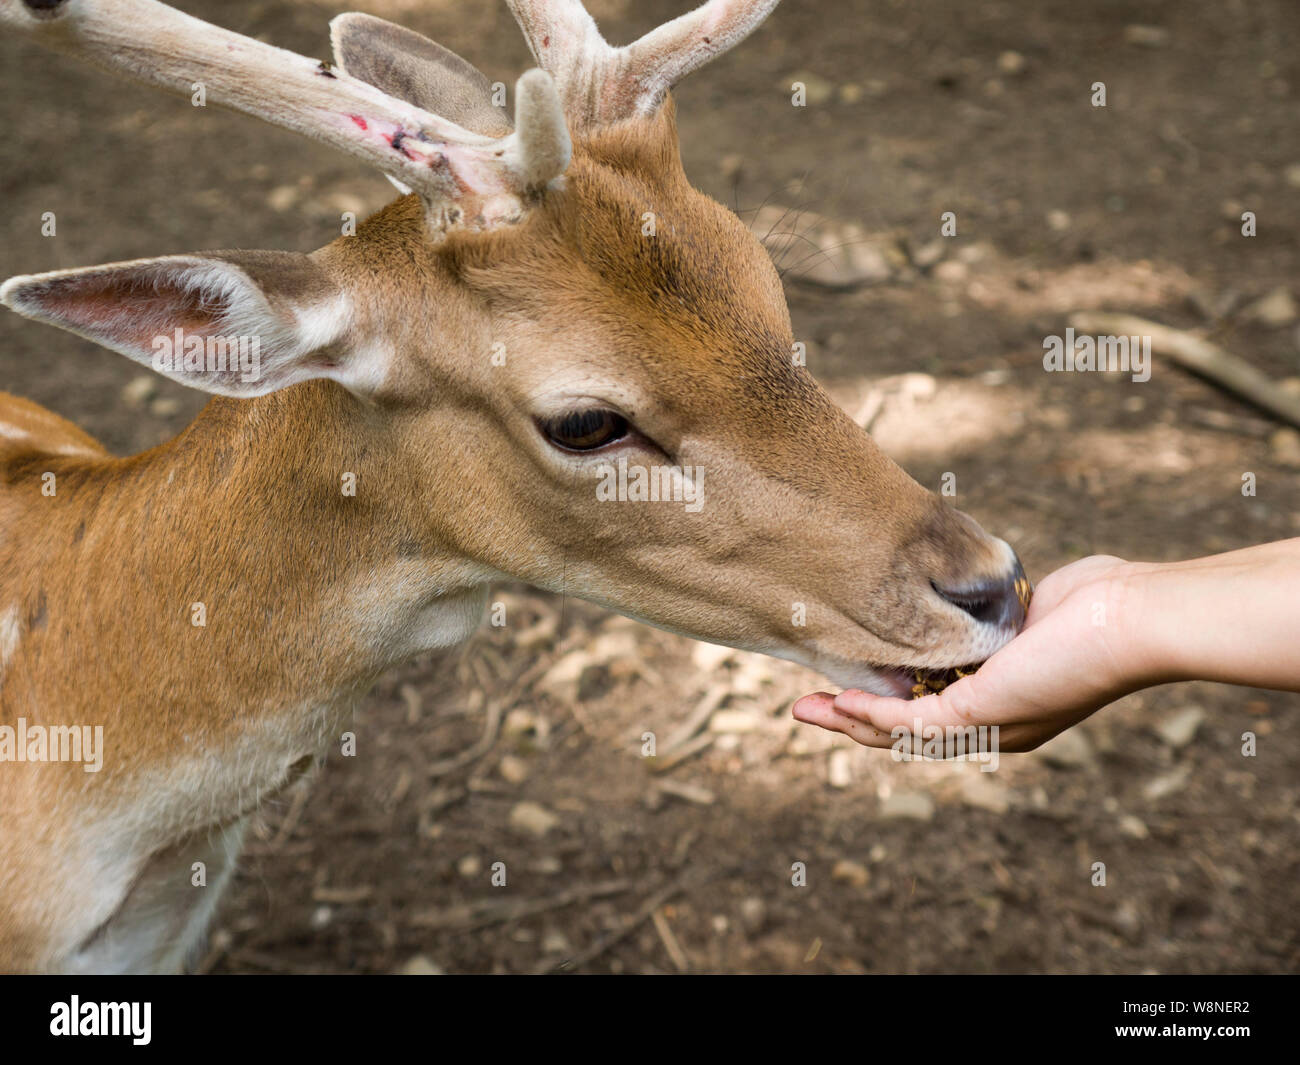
(137, 308)
(246, 311)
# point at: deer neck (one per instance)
(270, 556)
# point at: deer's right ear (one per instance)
(234, 323)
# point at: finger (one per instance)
(886, 713)
(819, 709)
(909, 722)
(918, 725)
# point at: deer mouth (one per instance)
(916, 682)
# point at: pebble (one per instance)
(817, 90)
(1179, 729)
(824, 251)
(533, 819)
(736, 721)
(524, 724)
(139, 391)
(1276, 309)
(930, 253)
(421, 965)
(839, 770)
(341, 202)
(1070, 750)
(853, 873)
(1011, 63)
(282, 197)
(1167, 784)
(908, 805)
(753, 673)
(513, 769)
(1133, 826)
(753, 914)
(709, 657)
(1146, 36)
(1284, 444)
(1127, 919)
(980, 790)
(917, 387)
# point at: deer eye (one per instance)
(585, 430)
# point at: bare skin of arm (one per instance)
(1098, 629)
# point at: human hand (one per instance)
(1081, 648)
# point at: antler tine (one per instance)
(560, 34)
(464, 178)
(600, 83)
(664, 56)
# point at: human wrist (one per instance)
(1146, 649)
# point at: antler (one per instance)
(600, 83)
(466, 179)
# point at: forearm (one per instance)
(1233, 617)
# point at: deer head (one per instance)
(551, 331)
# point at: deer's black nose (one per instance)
(1000, 601)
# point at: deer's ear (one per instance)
(233, 323)
(413, 68)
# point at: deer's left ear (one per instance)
(236, 323)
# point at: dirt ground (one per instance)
(525, 749)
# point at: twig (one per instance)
(692, 793)
(414, 703)
(870, 409)
(290, 821)
(1197, 354)
(270, 962)
(666, 937)
(475, 752)
(221, 940)
(630, 925)
(699, 718)
(475, 915)
(684, 753)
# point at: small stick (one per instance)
(1197, 354)
(630, 925)
(699, 718)
(477, 750)
(476, 915)
(870, 409)
(675, 952)
(290, 821)
(684, 753)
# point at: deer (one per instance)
(469, 359)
